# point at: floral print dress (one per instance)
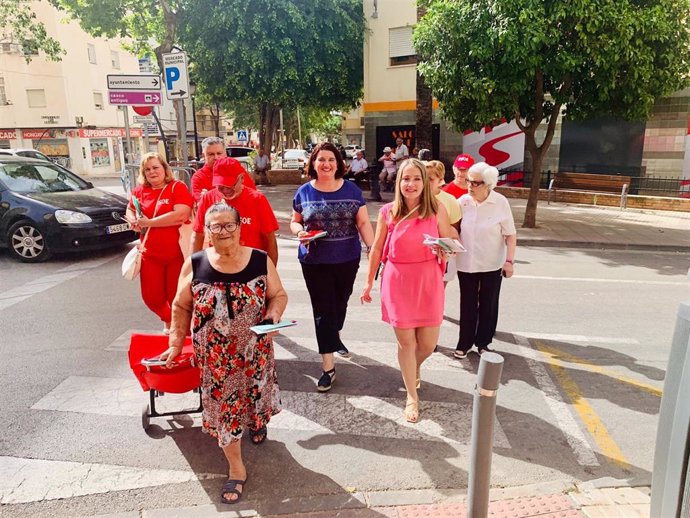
(239, 386)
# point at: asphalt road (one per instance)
(585, 335)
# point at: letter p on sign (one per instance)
(172, 74)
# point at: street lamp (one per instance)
(192, 91)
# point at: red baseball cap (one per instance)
(463, 161)
(226, 171)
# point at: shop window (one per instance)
(98, 100)
(400, 48)
(115, 60)
(3, 95)
(36, 98)
(91, 49)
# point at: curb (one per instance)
(556, 243)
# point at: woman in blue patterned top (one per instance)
(330, 263)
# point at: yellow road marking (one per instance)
(646, 387)
(590, 418)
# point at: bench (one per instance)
(604, 183)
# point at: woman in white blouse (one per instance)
(487, 231)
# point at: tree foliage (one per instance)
(19, 25)
(277, 53)
(486, 60)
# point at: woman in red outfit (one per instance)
(164, 204)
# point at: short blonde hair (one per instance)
(436, 168)
(428, 206)
(141, 179)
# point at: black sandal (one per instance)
(231, 487)
(258, 436)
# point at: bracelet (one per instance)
(509, 261)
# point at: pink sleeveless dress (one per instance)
(412, 283)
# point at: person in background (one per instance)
(412, 296)
(259, 224)
(458, 186)
(437, 172)
(212, 148)
(165, 204)
(357, 170)
(330, 263)
(487, 231)
(224, 290)
(262, 164)
(425, 155)
(387, 176)
(401, 152)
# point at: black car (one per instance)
(44, 208)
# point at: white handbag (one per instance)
(131, 264)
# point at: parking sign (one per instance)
(175, 75)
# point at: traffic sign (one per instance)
(129, 98)
(134, 82)
(175, 75)
(138, 119)
(242, 136)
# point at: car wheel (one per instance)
(27, 243)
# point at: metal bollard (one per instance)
(483, 417)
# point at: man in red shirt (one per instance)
(458, 186)
(258, 224)
(212, 148)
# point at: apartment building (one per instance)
(62, 109)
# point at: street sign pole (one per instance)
(146, 138)
(125, 110)
(182, 130)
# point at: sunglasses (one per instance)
(216, 228)
(475, 183)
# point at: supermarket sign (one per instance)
(8, 134)
(39, 134)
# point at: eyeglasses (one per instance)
(475, 183)
(216, 228)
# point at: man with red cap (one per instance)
(458, 186)
(258, 224)
(212, 148)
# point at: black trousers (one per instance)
(479, 294)
(330, 287)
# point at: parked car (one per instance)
(25, 152)
(294, 159)
(351, 150)
(241, 154)
(44, 209)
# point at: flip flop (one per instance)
(258, 436)
(231, 487)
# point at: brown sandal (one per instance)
(411, 411)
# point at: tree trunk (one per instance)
(424, 106)
(215, 118)
(267, 113)
(530, 220)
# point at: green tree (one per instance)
(529, 59)
(277, 53)
(18, 24)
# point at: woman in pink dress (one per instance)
(412, 282)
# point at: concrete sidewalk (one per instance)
(560, 224)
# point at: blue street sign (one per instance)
(242, 136)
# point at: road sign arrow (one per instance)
(156, 98)
(179, 93)
(155, 82)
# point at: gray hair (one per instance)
(211, 141)
(488, 173)
(220, 208)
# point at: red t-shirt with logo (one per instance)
(453, 189)
(203, 179)
(256, 216)
(163, 241)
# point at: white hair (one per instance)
(211, 141)
(488, 173)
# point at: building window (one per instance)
(3, 94)
(98, 100)
(91, 49)
(400, 48)
(36, 98)
(115, 59)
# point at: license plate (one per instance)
(292, 165)
(114, 229)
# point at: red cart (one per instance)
(184, 376)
